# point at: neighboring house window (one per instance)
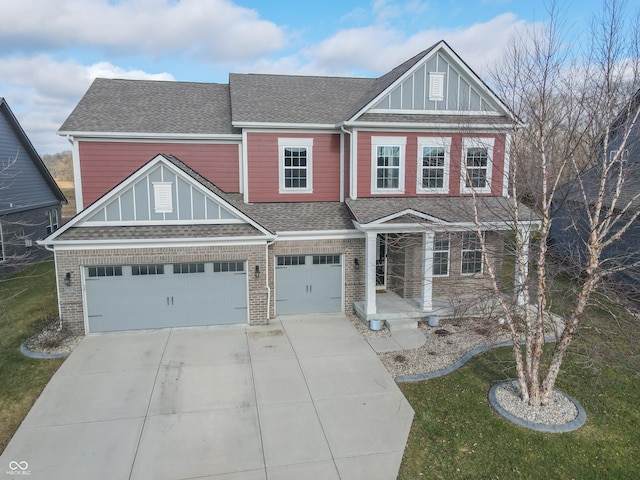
(433, 165)
(296, 165)
(441, 245)
(162, 197)
(476, 165)
(619, 155)
(471, 254)
(387, 164)
(53, 222)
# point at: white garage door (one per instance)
(134, 297)
(308, 284)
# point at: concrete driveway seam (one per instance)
(146, 416)
(255, 398)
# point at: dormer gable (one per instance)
(439, 83)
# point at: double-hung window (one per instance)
(433, 165)
(387, 164)
(441, 247)
(472, 261)
(477, 155)
(295, 160)
(52, 221)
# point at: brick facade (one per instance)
(70, 297)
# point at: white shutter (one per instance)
(162, 197)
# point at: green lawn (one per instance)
(27, 299)
(457, 435)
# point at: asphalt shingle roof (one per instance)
(447, 209)
(294, 98)
(158, 232)
(145, 106)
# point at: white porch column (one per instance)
(427, 271)
(370, 274)
(523, 239)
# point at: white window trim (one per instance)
(467, 143)
(436, 86)
(440, 275)
(2, 255)
(434, 142)
(54, 221)
(295, 143)
(619, 155)
(390, 141)
(463, 250)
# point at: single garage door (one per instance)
(135, 297)
(308, 284)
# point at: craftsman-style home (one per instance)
(205, 203)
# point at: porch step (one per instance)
(398, 324)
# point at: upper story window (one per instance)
(387, 164)
(295, 165)
(477, 155)
(433, 165)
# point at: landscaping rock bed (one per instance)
(50, 342)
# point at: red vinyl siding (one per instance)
(411, 162)
(263, 166)
(105, 164)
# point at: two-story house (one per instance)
(30, 200)
(206, 203)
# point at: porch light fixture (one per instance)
(356, 263)
(67, 279)
(257, 271)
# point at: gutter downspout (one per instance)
(55, 263)
(350, 133)
(266, 255)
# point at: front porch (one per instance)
(391, 306)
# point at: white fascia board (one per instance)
(140, 223)
(156, 243)
(441, 227)
(401, 127)
(319, 235)
(141, 136)
(268, 126)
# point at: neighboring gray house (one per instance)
(30, 200)
(570, 227)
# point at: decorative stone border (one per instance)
(40, 356)
(578, 422)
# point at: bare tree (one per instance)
(570, 106)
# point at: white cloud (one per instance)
(211, 30)
(42, 92)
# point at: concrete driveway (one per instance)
(305, 397)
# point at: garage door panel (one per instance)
(133, 302)
(308, 286)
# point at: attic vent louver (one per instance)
(162, 197)
(436, 86)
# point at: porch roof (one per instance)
(447, 210)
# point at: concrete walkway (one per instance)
(305, 397)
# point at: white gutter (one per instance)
(141, 135)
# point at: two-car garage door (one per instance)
(134, 297)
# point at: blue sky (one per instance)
(51, 50)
